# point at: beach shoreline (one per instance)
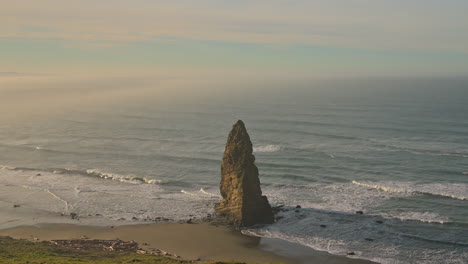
(199, 241)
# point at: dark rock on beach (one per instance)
(243, 203)
(74, 216)
(359, 212)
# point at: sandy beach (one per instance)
(203, 241)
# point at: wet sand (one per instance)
(202, 241)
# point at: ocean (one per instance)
(397, 150)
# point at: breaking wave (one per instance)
(267, 149)
(122, 178)
(455, 191)
(426, 217)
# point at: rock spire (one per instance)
(243, 203)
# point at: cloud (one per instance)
(396, 24)
(9, 74)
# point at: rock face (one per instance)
(243, 203)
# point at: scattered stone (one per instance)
(111, 226)
(369, 239)
(134, 218)
(38, 174)
(189, 221)
(350, 253)
(298, 207)
(16, 205)
(164, 253)
(243, 203)
(121, 219)
(74, 215)
(84, 237)
(379, 222)
(323, 226)
(359, 212)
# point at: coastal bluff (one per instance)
(243, 203)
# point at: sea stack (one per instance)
(243, 203)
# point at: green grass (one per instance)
(13, 251)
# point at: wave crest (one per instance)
(426, 217)
(267, 149)
(456, 191)
(122, 178)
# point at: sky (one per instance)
(296, 39)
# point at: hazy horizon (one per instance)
(242, 39)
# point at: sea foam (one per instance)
(267, 149)
(457, 191)
(122, 178)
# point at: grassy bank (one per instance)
(14, 251)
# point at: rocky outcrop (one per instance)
(243, 203)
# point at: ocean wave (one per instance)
(343, 234)
(122, 178)
(200, 193)
(426, 217)
(90, 172)
(267, 149)
(5, 167)
(449, 190)
(429, 152)
(209, 194)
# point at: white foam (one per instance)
(209, 194)
(200, 194)
(465, 172)
(381, 187)
(359, 234)
(457, 191)
(3, 167)
(338, 197)
(267, 149)
(122, 178)
(66, 193)
(427, 217)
